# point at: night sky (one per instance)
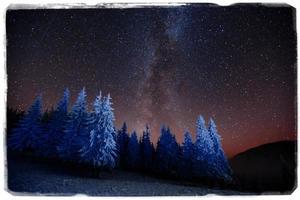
(164, 66)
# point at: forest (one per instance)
(90, 138)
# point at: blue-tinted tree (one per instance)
(55, 127)
(93, 120)
(13, 116)
(94, 116)
(101, 148)
(133, 152)
(146, 150)
(47, 115)
(122, 143)
(219, 164)
(187, 155)
(167, 153)
(75, 133)
(203, 150)
(27, 134)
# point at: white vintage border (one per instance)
(4, 4)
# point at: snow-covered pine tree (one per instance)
(220, 166)
(146, 150)
(133, 152)
(101, 148)
(55, 127)
(27, 134)
(203, 149)
(94, 116)
(75, 133)
(167, 153)
(187, 155)
(93, 122)
(122, 143)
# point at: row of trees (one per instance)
(90, 137)
(202, 158)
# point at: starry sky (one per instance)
(164, 65)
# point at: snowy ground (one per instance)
(34, 177)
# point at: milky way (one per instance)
(158, 90)
(164, 66)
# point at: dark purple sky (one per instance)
(164, 66)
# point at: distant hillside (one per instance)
(269, 167)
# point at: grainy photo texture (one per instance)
(152, 100)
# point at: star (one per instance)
(163, 66)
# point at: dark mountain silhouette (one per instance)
(267, 168)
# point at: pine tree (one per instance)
(167, 155)
(86, 152)
(146, 150)
(75, 133)
(187, 155)
(133, 152)
(47, 115)
(27, 134)
(13, 116)
(122, 142)
(101, 149)
(219, 166)
(94, 117)
(55, 127)
(203, 149)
